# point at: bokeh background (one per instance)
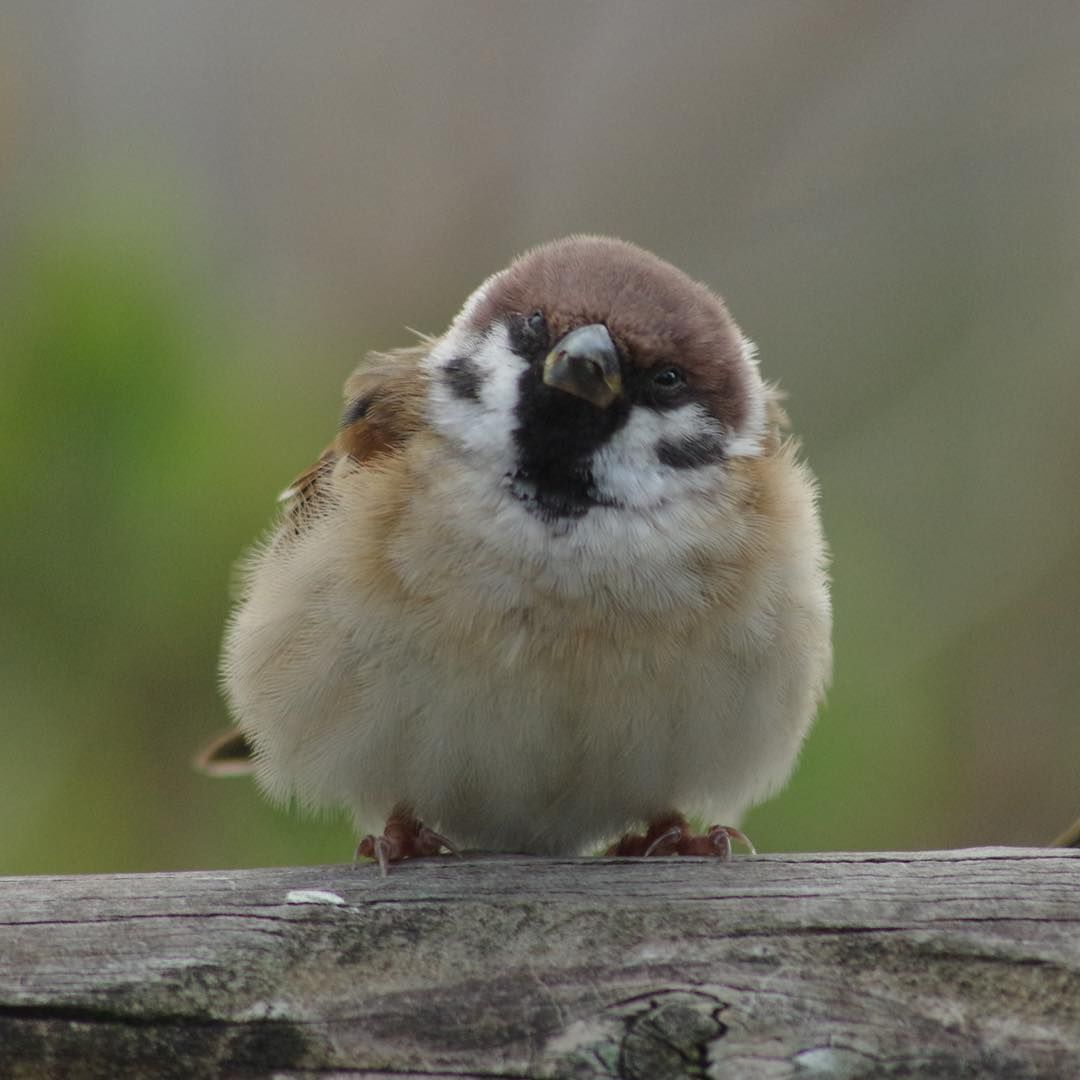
(209, 211)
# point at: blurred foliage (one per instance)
(136, 472)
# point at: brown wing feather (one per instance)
(384, 407)
(384, 403)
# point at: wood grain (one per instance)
(959, 963)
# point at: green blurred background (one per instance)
(209, 211)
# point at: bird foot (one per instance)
(671, 835)
(403, 837)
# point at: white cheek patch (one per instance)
(658, 455)
(747, 440)
(630, 469)
(482, 422)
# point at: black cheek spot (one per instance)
(691, 452)
(463, 379)
(356, 410)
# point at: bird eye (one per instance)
(669, 378)
(528, 333)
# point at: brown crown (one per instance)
(656, 314)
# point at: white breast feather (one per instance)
(530, 692)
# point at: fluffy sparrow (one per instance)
(558, 578)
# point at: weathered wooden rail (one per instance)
(957, 963)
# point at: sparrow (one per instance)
(558, 582)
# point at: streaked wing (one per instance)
(384, 401)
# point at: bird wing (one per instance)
(384, 403)
(384, 408)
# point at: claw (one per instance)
(403, 837)
(720, 836)
(375, 847)
(382, 853)
(433, 843)
(671, 835)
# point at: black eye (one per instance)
(528, 333)
(669, 378)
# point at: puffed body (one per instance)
(414, 632)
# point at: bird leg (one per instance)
(403, 837)
(670, 834)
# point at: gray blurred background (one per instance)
(209, 211)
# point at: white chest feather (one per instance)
(526, 688)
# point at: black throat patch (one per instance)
(556, 436)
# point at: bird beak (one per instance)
(585, 364)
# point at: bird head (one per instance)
(591, 375)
